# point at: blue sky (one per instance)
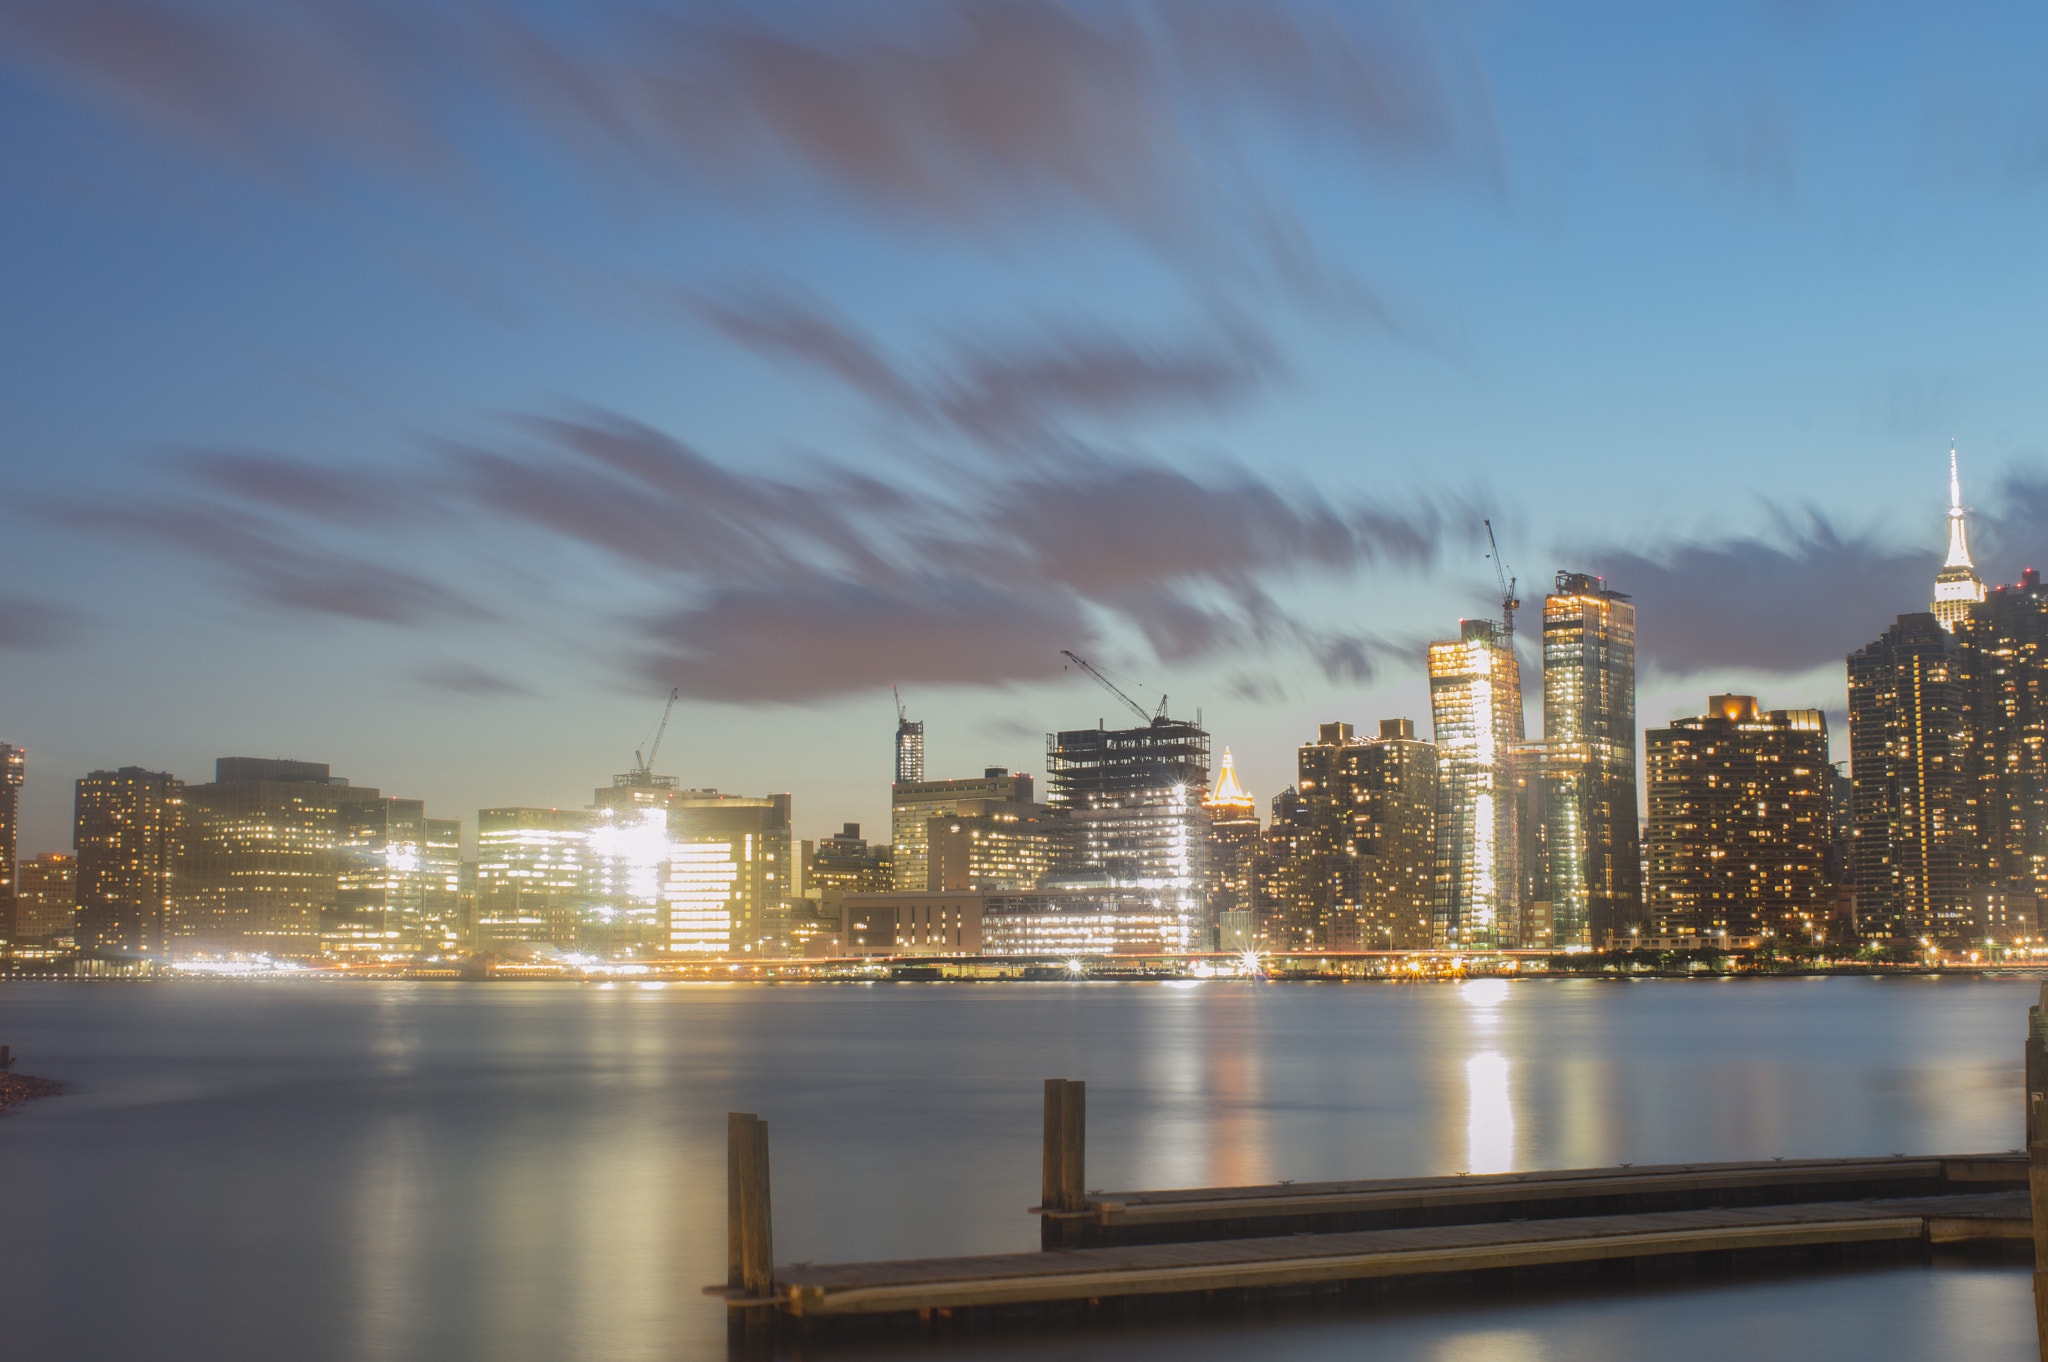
(426, 388)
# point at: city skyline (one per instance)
(385, 436)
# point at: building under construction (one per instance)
(1133, 798)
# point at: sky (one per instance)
(427, 388)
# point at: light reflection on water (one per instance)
(518, 1171)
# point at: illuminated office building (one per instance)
(533, 880)
(441, 894)
(1133, 801)
(846, 864)
(1231, 819)
(1957, 586)
(732, 874)
(1280, 919)
(1391, 786)
(46, 898)
(125, 832)
(260, 864)
(1475, 696)
(381, 880)
(13, 767)
(1739, 820)
(2002, 672)
(629, 851)
(1907, 743)
(1590, 833)
(913, 804)
(990, 851)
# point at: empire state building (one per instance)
(1957, 586)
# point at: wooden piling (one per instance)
(749, 1231)
(1064, 1180)
(2036, 1086)
(2037, 1180)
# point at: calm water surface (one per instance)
(536, 1171)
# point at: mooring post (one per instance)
(2036, 1067)
(749, 1236)
(2037, 1187)
(6, 1056)
(1063, 1185)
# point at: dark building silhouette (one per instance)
(13, 768)
(126, 828)
(2002, 673)
(1907, 744)
(1739, 823)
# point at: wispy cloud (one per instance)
(32, 626)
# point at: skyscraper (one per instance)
(2002, 668)
(1133, 801)
(1475, 697)
(380, 890)
(125, 831)
(13, 767)
(1739, 823)
(1232, 821)
(1391, 785)
(731, 874)
(533, 878)
(1957, 586)
(260, 858)
(909, 748)
(1906, 746)
(1589, 761)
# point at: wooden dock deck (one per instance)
(1176, 1215)
(1091, 1274)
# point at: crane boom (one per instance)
(901, 715)
(645, 765)
(1110, 686)
(1508, 603)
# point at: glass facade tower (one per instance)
(1475, 700)
(1589, 761)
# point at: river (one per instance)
(510, 1171)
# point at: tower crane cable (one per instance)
(1111, 687)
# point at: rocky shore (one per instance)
(18, 1088)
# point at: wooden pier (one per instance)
(1217, 1245)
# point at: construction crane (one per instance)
(1157, 716)
(1508, 604)
(644, 766)
(902, 715)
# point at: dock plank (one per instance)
(1089, 1273)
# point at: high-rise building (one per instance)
(1957, 586)
(1133, 801)
(1588, 766)
(1234, 837)
(1739, 822)
(260, 860)
(441, 924)
(913, 804)
(1475, 696)
(1391, 785)
(2002, 671)
(381, 880)
(533, 880)
(909, 748)
(13, 767)
(1280, 918)
(1907, 738)
(732, 874)
(46, 898)
(629, 852)
(125, 831)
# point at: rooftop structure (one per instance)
(1957, 586)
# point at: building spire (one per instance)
(1957, 586)
(1227, 790)
(1958, 540)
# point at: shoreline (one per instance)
(20, 1089)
